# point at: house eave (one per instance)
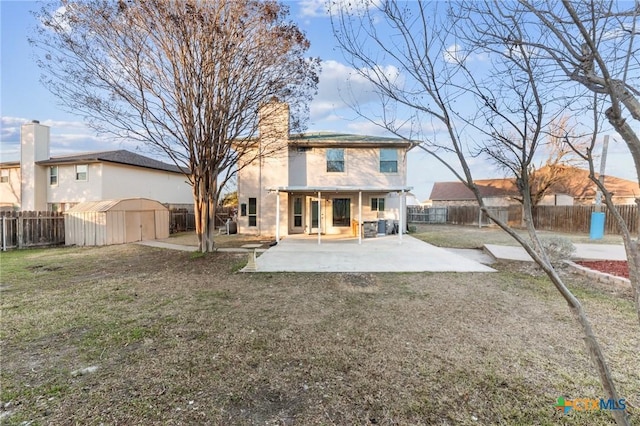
(300, 189)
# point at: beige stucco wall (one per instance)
(308, 168)
(362, 168)
(10, 191)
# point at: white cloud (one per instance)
(452, 54)
(455, 54)
(341, 86)
(313, 8)
(66, 137)
(319, 8)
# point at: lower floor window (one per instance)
(377, 204)
(341, 212)
(253, 212)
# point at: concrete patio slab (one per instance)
(383, 254)
(583, 252)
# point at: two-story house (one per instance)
(39, 182)
(320, 183)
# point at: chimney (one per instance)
(34, 146)
(274, 120)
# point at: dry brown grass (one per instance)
(181, 339)
(457, 236)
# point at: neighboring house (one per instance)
(495, 192)
(40, 182)
(320, 183)
(573, 188)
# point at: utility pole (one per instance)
(603, 162)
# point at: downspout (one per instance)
(359, 217)
(319, 216)
(277, 216)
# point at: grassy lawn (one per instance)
(180, 338)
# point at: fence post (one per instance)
(19, 230)
(4, 233)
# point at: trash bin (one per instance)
(233, 227)
(596, 231)
(382, 227)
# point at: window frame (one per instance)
(337, 220)
(384, 163)
(52, 175)
(4, 175)
(78, 173)
(252, 212)
(333, 162)
(378, 201)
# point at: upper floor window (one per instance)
(388, 160)
(81, 171)
(4, 176)
(53, 175)
(335, 160)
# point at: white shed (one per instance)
(99, 223)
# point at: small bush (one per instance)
(558, 248)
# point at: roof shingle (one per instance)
(121, 156)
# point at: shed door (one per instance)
(148, 225)
(132, 226)
(140, 226)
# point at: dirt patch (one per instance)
(619, 268)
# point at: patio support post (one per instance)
(277, 216)
(359, 217)
(319, 214)
(400, 221)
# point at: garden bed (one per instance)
(619, 268)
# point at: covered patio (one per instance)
(309, 213)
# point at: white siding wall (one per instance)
(69, 190)
(107, 181)
(10, 191)
(129, 182)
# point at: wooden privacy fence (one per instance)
(577, 219)
(31, 229)
(568, 219)
(181, 220)
(420, 214)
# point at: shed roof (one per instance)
(125, 204)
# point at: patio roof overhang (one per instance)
(341, 189)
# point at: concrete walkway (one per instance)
(383, 254)
(180, 247)
(583, 252)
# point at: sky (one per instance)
(23, 98)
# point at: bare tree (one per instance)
(557, 169)
(185, 77)
(594, 44)
(434, 84)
